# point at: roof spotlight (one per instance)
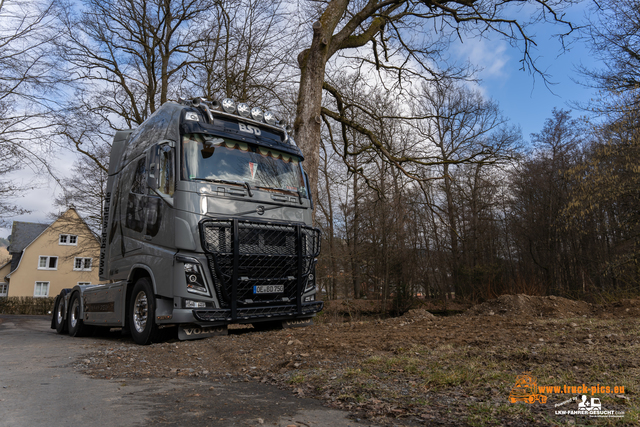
(256, 114)
(243, 109)
(270, 118)
(229, 105)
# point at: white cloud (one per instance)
(488, 55)
(40, 199)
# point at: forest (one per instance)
(423, 188)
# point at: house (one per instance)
(47, 258)
(4, 270)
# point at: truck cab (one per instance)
(207, 222)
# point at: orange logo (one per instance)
(526, 390)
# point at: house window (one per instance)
(48, 263)
(82, 264)
(4, 287)
(68, 239)
(41, 289)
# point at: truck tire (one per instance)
(58, 316)
(142, 309)
(76, 325)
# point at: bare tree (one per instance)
(245, 54)
(406, 39)
(541, 190)
(26, 81)
(124, 59)
(461, 128)
(85, 189)
(613, 34)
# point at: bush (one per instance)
(26, 305)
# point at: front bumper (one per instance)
(249, 313)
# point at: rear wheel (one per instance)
(142, 308)
(76, 325)
(58, 316)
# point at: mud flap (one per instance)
(194, 332)
(297, 323)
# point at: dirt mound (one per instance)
(417, 314)
(622, 308)
(531, 306)
(354, 307)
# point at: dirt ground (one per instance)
(421, 369)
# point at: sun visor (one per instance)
(243, 132)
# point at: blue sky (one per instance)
(522, 97)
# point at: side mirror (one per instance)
(309, 196)
(154, 159)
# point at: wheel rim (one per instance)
(140, 311)
(60, 312)
(75, 309)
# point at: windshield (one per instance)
(211, 158)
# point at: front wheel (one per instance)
(76, 325)
(142, 308)
(58, 316)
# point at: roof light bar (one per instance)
(229, 106)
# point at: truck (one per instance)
(526, 390)
(207, 222)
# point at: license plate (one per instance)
(268, 289)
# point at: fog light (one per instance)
(310, 298)
(194, 304)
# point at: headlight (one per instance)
(311, 281)
(193, 276)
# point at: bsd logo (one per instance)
(249, 129)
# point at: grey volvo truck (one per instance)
(207, 222)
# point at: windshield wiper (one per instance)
(244, 184)
(288, 190)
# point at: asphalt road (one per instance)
(39, 387)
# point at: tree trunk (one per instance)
(312, 63)
(354, 253)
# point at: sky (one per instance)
(523, 98)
